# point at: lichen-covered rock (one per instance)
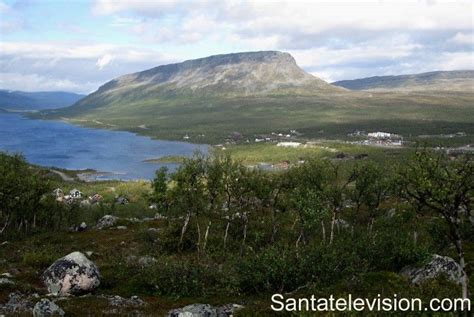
(205, 310)
(134, 301)
(195, 310)
(5, 281)
(46, 308)
(17, 304)
(106, 222)
(72, 274)
(228, 310)
(439, 265)
(146, 260)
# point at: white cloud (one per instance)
(312, 16)
(371, 51)
(459, 60)
(72, 66)
(145, 7)
(72, 50)
(463, 38)
(104, 61)
(36, 82)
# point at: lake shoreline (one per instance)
(111, 154)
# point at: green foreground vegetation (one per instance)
(234, 234)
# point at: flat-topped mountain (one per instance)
(238, 74)
(457, 80)
(241, 73)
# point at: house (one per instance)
(95, 198)
(68, 200)
(75, 193)
(289, 144)
(379, 135)
(58, 193)
(121, 201)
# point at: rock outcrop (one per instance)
(439, 265)
(106, 221)
(47, 308)
(71, 275)
(17, 304)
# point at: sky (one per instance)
(78, 45)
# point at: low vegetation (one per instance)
(227, 233)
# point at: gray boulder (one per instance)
(106, 222)
(46, 308)
(438, 265)
(73, 274)
(205, 310)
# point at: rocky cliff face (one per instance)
(252, 73)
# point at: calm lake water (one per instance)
(59, 144)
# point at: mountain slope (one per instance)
(229, 75)
(20, 100)
(459, 80)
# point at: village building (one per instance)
(379, 135)
(58, 193)
(75, 193)
(122, 201)
(95, 198)
(289, 144)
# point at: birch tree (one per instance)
(434, 184)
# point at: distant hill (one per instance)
(458, 80)
(20, 100)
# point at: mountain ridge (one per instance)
(217, 69)
(456, 80)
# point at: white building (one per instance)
(289, 144)
(379, 135)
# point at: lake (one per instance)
(60, 144)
